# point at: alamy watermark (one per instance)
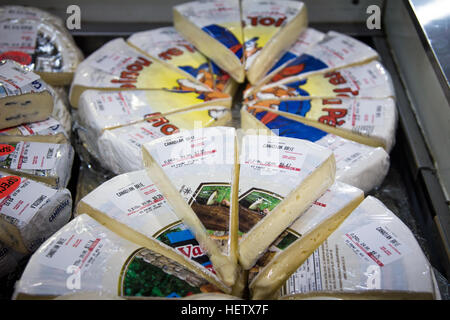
(374, 19)
(73, 21)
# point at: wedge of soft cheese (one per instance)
(335, 51)
(44, 47)
(30, 212)
(100, 110)
(131, 206)
(307, 39)
(86, 257)
(372, 254)
(270, 29)
(368, 121)
(24, 97)
(118, 66)
(119, 149)
(214, 27)
(47, 159)
(301, 239)
(169, 45)
(197, 173)
(370, 80)
(359, 165)
(279, 179)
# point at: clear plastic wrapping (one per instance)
(372, 253)
(102, 263)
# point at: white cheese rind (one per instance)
(32, 213)
(270, 28)
(372, 252)
(64, 265)
(197, 168)
(299, 171)
(297, 242)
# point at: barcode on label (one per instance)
(55, 248)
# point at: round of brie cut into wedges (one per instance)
(371, 255)
(85, 257)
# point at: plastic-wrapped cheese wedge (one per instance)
(120, 149)
(24, 97)
(47, 159)
(100, 110)
(307, 39)
(197, 173)
(356, 164)
(9, 259)
(279, 179)
(372, 254)
(368, 121)
(214, 27)
(131, 206)
(118, 66)
(30, 212)
(370, 80)
(335, 51)
(85, 256)
(167, 44)
(302, 238)
(270, 28)
(48, 49)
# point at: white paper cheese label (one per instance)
(110, 62)
(23, 203)
(18, 36)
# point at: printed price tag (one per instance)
(13, 77)
(377, 243)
